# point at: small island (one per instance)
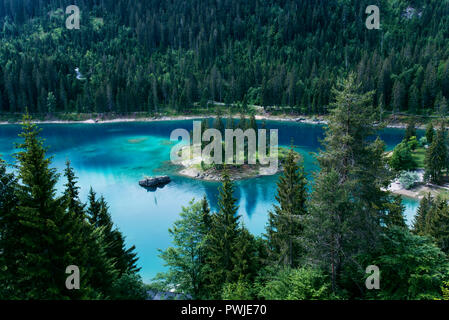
(248, 142)
(213, 172)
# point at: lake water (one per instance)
(112, 157)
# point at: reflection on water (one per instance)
(113, 157)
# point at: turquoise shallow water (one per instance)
(113, 157)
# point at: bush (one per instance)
(129, 287)
(237, 291)
(413, 143)
(412, 267)
(402, 158)
(297, 284)
(408, 179)
(423, 141)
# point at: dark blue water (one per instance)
(112, 158)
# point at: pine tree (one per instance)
(243, 123)
(395, 213)
(99, 217)
(46, 231)
(218, 124)
(414, 100)
(437, 224)
(223, 239)
(430, 133)
(9, 228)
(436, 158)
(93, 209)
(51, 103)
(410, 131)
(347, 201)
(246, 260)
(285, 225)
(230, 122)
(419, 224)
(71, 192)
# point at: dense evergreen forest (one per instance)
(41, 234)
(319, 243)
(157, 55)
(310, 57)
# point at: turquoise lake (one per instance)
(112, 157)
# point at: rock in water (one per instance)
(155, 182)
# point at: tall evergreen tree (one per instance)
(348, 200)
(437, 223)
(45, 237)
(410, 131)
(218, 124)
(246, 260)
(285, 225)
(124, 259)
(419, 224)
(9, 228)
(436, 158)
(223, 239)
(430, 133)
(71, 192)
(395, 213)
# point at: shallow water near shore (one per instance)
(112, 157)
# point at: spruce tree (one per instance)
(46, 233)
(437, 224)
(98, 269)
(395, 213)
(223, 239)
(99, 217)
(285, 225)
(9, 228)
(246, 260)
(430, 133)
(436, 158)
(419, 224)
(71, 192)
(348, 200)
(410, 131)
(218, 124)
(230, 122)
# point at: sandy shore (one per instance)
(420, 190)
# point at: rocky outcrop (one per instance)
(155, 182)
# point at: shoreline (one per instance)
(313, 120)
